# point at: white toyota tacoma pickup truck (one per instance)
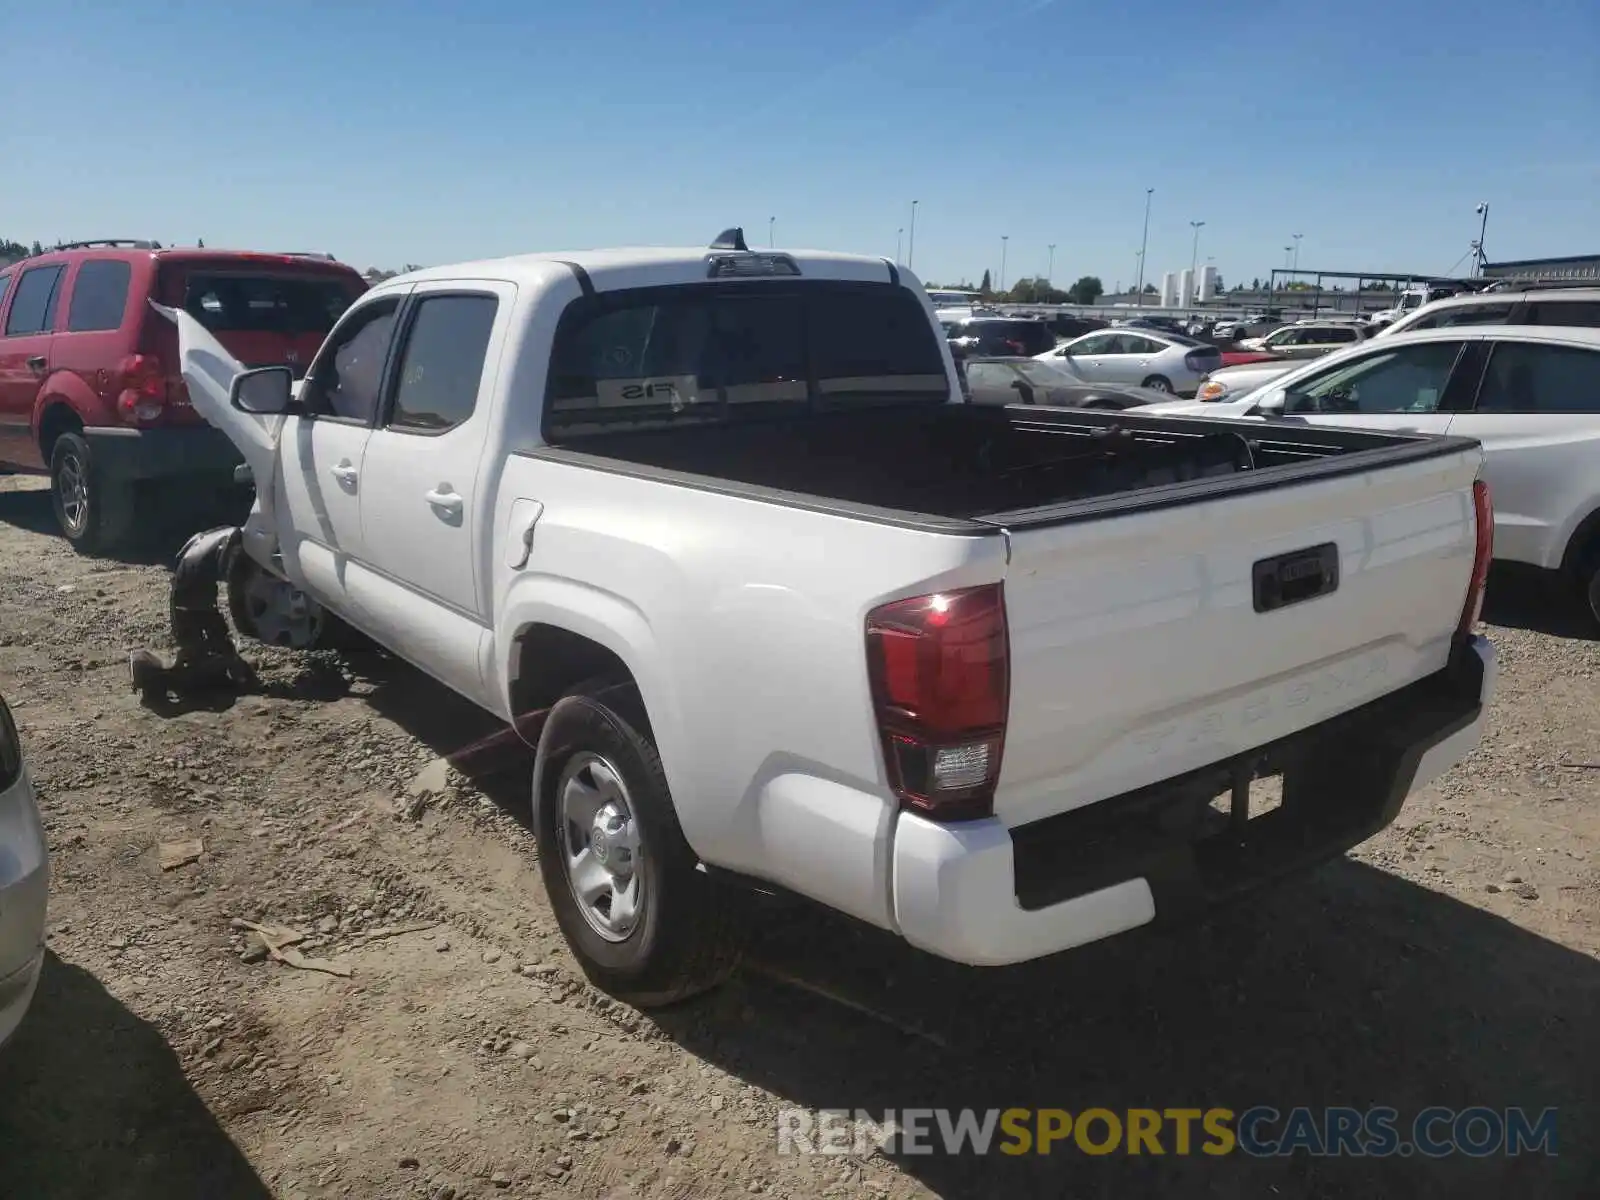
(715, 531)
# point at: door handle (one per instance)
(444, 499)
(345, 473)
(38, 364)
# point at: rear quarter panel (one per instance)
(742, 621)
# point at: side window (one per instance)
(1408, 380)
(441, 362)
(1465, 314)
(1525, 377)
(989, 376)
(99, 296)
(1142, 345)
(1095, 343)
(34, 304)
(1582, 313)
(348, 374)
(5, 286)
(1284, 337)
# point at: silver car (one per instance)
(24, 881)
(1130, 357)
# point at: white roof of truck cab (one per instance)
(643, 266)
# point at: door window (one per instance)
(34, 304)
(1095, 343)
(1526, 377)
(348, 374)
(1284, 337)
(1408, 380)
(441, 364)
(1133, 344)
(99, 296)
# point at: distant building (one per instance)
(1583, 266)
(1185, 287)
(1208, 284)
(1169, 290)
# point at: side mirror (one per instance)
(264, 391)
(1273, 404)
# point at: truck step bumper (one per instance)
(980, 893)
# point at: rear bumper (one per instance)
(130, 455)
(980, 893)
(24, 892)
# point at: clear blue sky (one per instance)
(425, 132)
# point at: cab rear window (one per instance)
(251, 302)
(655, 357)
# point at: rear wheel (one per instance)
(1158, 383)
(647, 925)
(94, 514)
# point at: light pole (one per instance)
(1144, 242)
(1483, 228)
(899, 243)
(1050, 275)
(1288, 253)
(1003, 240)
(1138, 266)
(911, 245)
(1194, 261)
(771, 221)
(1297, 237)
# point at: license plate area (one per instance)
(1295, 577)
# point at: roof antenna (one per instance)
(730, 239)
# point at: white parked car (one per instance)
(1163, 362)
(1530, 394)
(24, 881)
(1230, 383)
(1307, 339)
(715, 530)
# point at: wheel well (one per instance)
(58, 419)
(550, 661)
(1584, 543)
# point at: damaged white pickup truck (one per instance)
(714, 529)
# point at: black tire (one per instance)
(95, 515)
(1587, 580)
(1158, 383)
(329, 632)
(689, 934)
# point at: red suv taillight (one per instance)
(941, 686)
(143, 391)
(1482, 553)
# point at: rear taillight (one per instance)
(940, 689)
(1482, 553)
(143, 388)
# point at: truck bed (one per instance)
(954, 465)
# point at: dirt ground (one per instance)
(1451, 961)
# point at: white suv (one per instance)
(1568, 307)
(1530, 394)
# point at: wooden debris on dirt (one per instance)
(280, 942)
(180, 854)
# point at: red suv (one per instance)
(90, 389)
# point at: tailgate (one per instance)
(1138, 653)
